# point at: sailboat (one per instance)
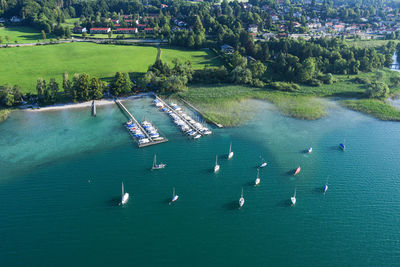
(342, 146)
(157, 166)
(258, 180)
(263, 163)
(297, 171)
(125, 196)
(174, 196)
(293, 198)
(326, 185)
(216, 168)
(241, 200)
(230, 154)
(309, 150)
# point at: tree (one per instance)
(83, 87)
(67, 86)
(109, 34)
(122, 84)
(378, 90)
(43, 35)
(8, 38)
(307, 70)
(40, 88)
(96, 88)
(53, 90)
(257, 68)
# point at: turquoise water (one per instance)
(52, 215)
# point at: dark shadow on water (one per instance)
(335, 148)
(286, 203)
(249, 184)
(304, 151)
(167, 200)
(115, 201)
(318, 190)
(291, 172)
(232, 205)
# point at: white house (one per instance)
(15, 19)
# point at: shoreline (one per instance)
(100, 102)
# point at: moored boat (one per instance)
(297, 171)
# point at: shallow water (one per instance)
(61, 174)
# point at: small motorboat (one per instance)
(342, 146)
(309, 150)
(326, 185)
(297, 171)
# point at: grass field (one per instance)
(21, 34)
(26, 64)
(199, 58)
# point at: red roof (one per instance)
(128, 20)
(117, 25)
(99, 29)
(148, 29)
(127, 29)
(141, 25)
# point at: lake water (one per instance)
(61, 174)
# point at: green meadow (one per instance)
(26, 64)
(199, 58)
(20, 34)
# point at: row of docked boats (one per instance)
(143, 137)
(186, 123)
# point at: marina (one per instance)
(145, 133)
(187, 124)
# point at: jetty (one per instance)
(151, 140)
(179, 115)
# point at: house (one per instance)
(252, 28)
(126, 30)
(100, 30)
(149, 30)
(338, 27)
(15, 19)
(79, 30)
(268, 35)
(227, 48)
(164, 6)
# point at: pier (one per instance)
(179, 115)
(152, 142)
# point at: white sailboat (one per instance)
(293, 198)
(326, 185)
(241, 200)
(230, 154)
(174, 196)
(157, 166)
(216, 167)
(258, 180)
(125, 196)
(309, 150)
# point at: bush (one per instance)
(315, 82)
(361, 80)
(284, 86)
(327, 78)
(378, 90)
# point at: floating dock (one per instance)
(151, 140)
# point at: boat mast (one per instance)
(122, 189)
(216, 160)
(173, 192)
(155, 160)
(258, 173)
(295, 192)
(230, 148)
(242, 193)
